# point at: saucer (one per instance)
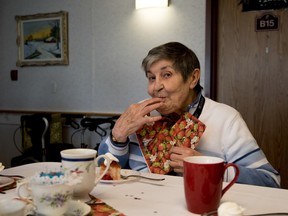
(124, 172)
(77, 208)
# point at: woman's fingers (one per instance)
(135, 116)
(177, 155)
(149, 105)
(177, 166)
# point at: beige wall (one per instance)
(107, 42)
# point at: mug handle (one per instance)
(234, 179)
(27, 199)
(107, 167)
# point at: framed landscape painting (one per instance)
(42, 39)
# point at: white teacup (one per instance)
(48, 199)
(12, 207)
(83, 162)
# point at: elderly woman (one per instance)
(178, 121)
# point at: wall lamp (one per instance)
(139, 4)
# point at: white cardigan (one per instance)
(226, 136)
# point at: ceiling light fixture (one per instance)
(139, 4)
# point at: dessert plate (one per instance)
(5, 181)
(78, 208)
(124, 172)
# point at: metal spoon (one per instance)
(140, 176)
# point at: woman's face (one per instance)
(168, 84)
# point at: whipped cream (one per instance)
(230, 209)
(111, 157)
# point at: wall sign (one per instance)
(254, 5)
(267, 22)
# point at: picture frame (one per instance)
(42, 39)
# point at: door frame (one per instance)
(211, 49)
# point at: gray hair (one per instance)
(184, 59)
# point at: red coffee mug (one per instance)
(203, 179)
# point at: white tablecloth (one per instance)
(144, 197)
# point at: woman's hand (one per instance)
(177, 154)
(134, 117)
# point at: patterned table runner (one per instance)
(103, 209)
